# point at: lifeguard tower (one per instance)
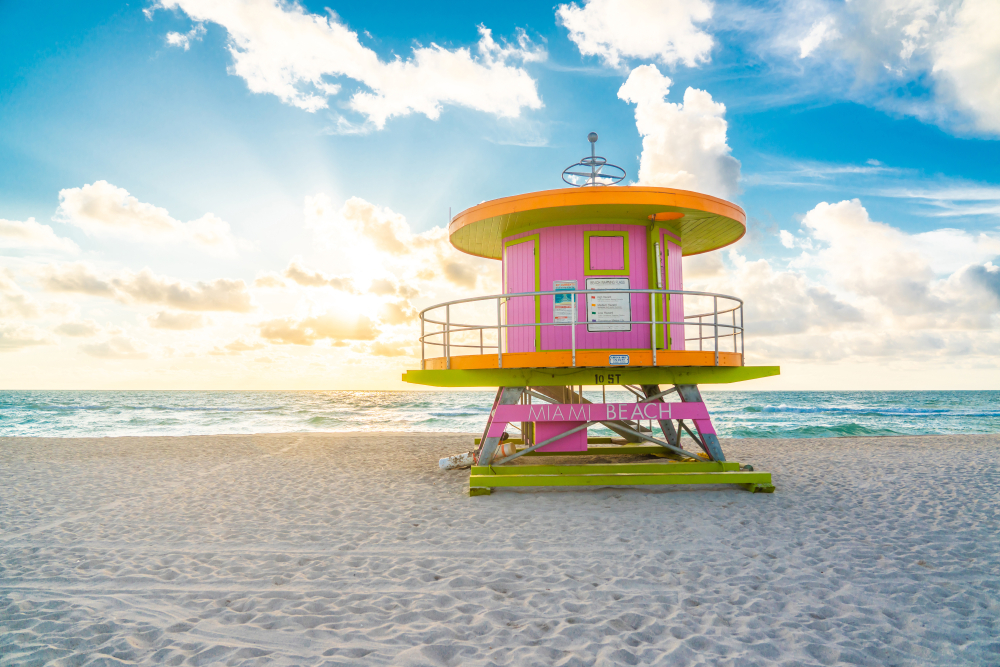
(594, 296)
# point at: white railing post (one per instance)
(743, 350)
(652, 323)
(572, 326)
(715, 316)
(447, 336)
(423, 357)
(499, 334)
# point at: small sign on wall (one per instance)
(607, 312)
(562, 304)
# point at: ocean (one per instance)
(736, 414)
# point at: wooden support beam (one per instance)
(666, 425)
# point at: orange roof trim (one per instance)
(703, 222)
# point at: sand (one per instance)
(355, 549)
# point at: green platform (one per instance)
(636, 375)
(650, 471)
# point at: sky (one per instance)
(227, 194)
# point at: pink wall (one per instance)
(562, 258)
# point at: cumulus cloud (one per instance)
(15, 337)
(375, 242)
(911, 276)
(83, 329)
(683, 145)
(118, 347)
(104, 209)
(951, 45)
(145, 287)
(820, 32)
(269, 280)
(239, 346)
(389, 349)
(236, 348)
(308, 330)
(14, 301)
(307, 277)
(397, 312)
(862, 288)
(172, 321)
(663, 30)
(31, 234)
(281, 49)
(183, 40)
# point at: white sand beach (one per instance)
(355, 549)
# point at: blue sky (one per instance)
(823, 103)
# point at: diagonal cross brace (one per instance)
(488, 445)
(689, 394)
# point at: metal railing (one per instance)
(449, 331)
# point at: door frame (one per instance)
(536, 249)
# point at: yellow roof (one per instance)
(702, 222)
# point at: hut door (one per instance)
(675, 281)
(519, 269)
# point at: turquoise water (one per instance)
(737, 414)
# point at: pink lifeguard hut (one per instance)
(593, 295)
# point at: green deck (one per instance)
(484, 478)
(611, 376)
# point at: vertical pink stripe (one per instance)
(675, 281)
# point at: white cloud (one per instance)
(787, 239)
(31, 234)
(184, 40)
(15, 337)
(301, 274)
(663, 30)
(683, 145)
(390, 349)
(104, 209)
(145, 287)
(308, 330)
(372, 242)
(172, 321)
(821, 31)
(118, 347)
(83, 329)
(14, 301)
(281, 49)
(953, 45)
(269, 280)
(967, 63)
(867, 289)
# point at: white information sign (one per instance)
(562, 304)
(605, 311)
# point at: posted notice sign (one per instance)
(606, 312)
(562, 304)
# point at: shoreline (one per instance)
(354, 548)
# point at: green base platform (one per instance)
(614, 375)
(650, 471)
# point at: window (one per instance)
(606, 253)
